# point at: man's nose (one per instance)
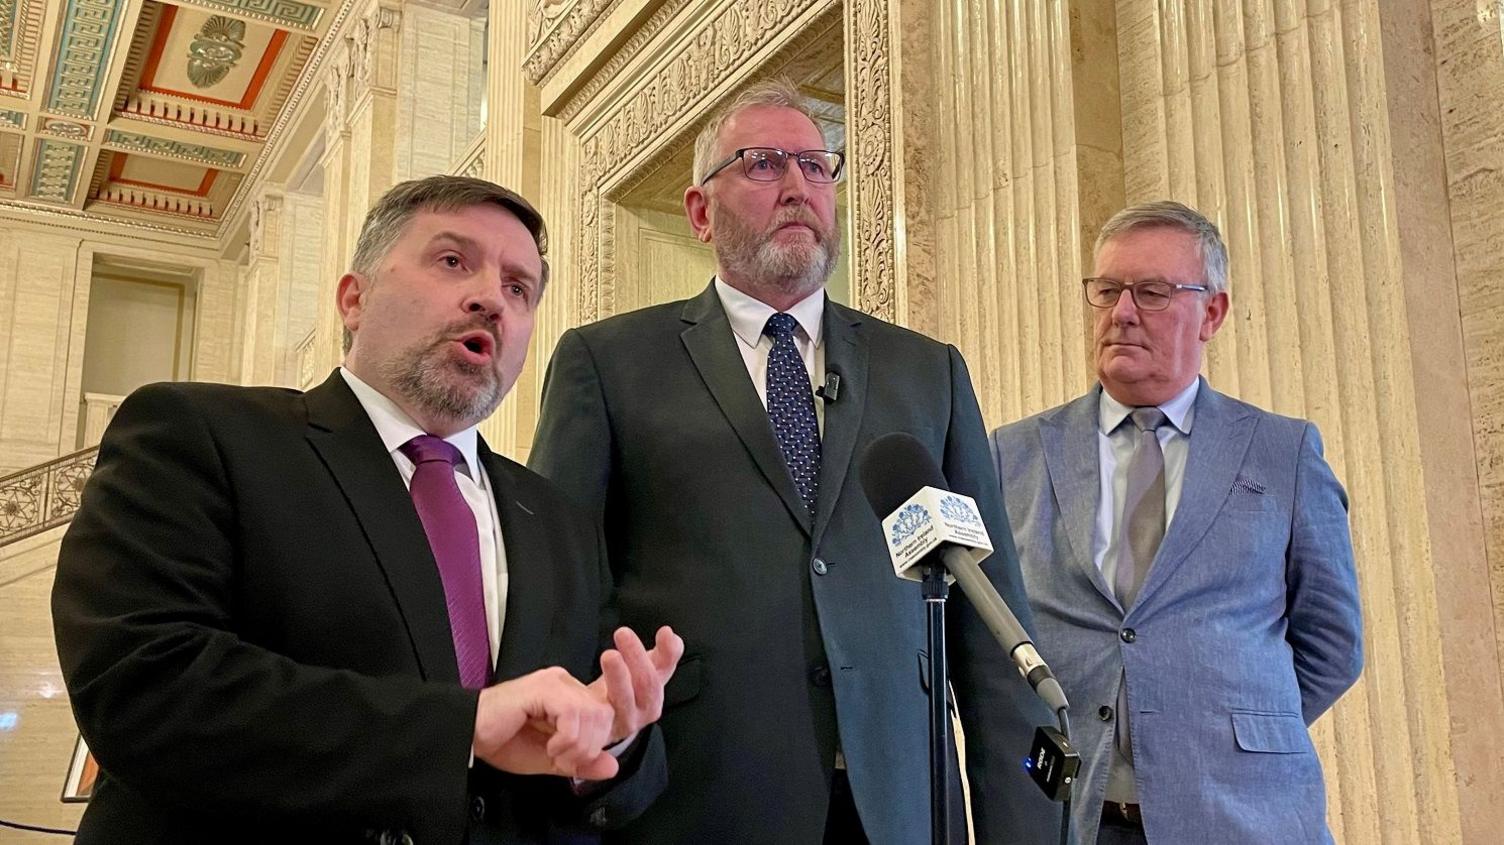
(485, 300)
(1125, 310)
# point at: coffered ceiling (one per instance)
(148, 114)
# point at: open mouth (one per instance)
(480, 345)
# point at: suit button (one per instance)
(820, 676)
(1128, 635)
(478, 808)
(1104, 713)
(820, 567)
(598, 817)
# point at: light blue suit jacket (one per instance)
(1246, 629)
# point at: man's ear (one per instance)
(350, 298)
(697, 209)
(1216, 312)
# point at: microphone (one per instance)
(924, 524)
(831, 388)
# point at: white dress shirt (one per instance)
(395, 428)
(748, 316)
(1115, 450)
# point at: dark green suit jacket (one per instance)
(800, 639)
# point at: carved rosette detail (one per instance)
(869, 120)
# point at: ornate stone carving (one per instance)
(216, 49)
(12, 119)
(65, 129)
(266, 216)
(869, 129)
(337, 89)
(287, 14)
(555, 29)
(83, 56)
(56, 171)
(367, 47)
(151, 145)
(719, 49)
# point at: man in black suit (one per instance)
(727, 492)
(267, 636)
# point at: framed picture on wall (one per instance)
(82, 773)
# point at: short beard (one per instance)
(794, 270)
(432, 379)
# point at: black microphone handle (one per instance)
(999, 619)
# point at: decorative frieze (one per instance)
(719, 49)
(869, 135)
(555, 30)
(12, 119)
(163, 147)
(287, 14)
(66, 129)
(83, 54)
(56, 171)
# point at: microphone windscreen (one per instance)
(894, 467)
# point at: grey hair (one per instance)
(388, 218)
(778, 91)
(1174, 215)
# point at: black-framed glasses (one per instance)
(1151, 295)
(768, 164)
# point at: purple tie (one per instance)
(450, 526)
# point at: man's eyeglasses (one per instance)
(1147, 296)
(768, 164)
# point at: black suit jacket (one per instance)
(255, 640)
(799, 638)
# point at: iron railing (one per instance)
(44, 496)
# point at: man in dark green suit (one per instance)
(727, 491)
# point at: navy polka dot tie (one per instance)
(791, 408)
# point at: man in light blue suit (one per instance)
(1188, 560)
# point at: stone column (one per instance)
(263, 289)
(513, 159)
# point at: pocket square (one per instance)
(1243, 482)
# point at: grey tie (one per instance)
(1139, 535)
(1143, 524)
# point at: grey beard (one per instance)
(441, 386)
(796, 270)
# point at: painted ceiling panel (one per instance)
(201, 56)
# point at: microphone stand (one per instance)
(1065, 806)
(935, 593)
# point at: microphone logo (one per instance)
(909, 521)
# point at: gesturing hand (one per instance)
(545, 722)
(632, 679)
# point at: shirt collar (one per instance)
(395, 427)
(748, 315)
(1180, 411)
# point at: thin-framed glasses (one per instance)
(768, 164)
(1152, 295)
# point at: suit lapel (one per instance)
(531, 604)
(1220, 436)
(344, 438)
(1072, 460)
(712, 348)
(845, 354)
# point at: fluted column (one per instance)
(1273, 118)
(1018, 175)
(512, 159)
